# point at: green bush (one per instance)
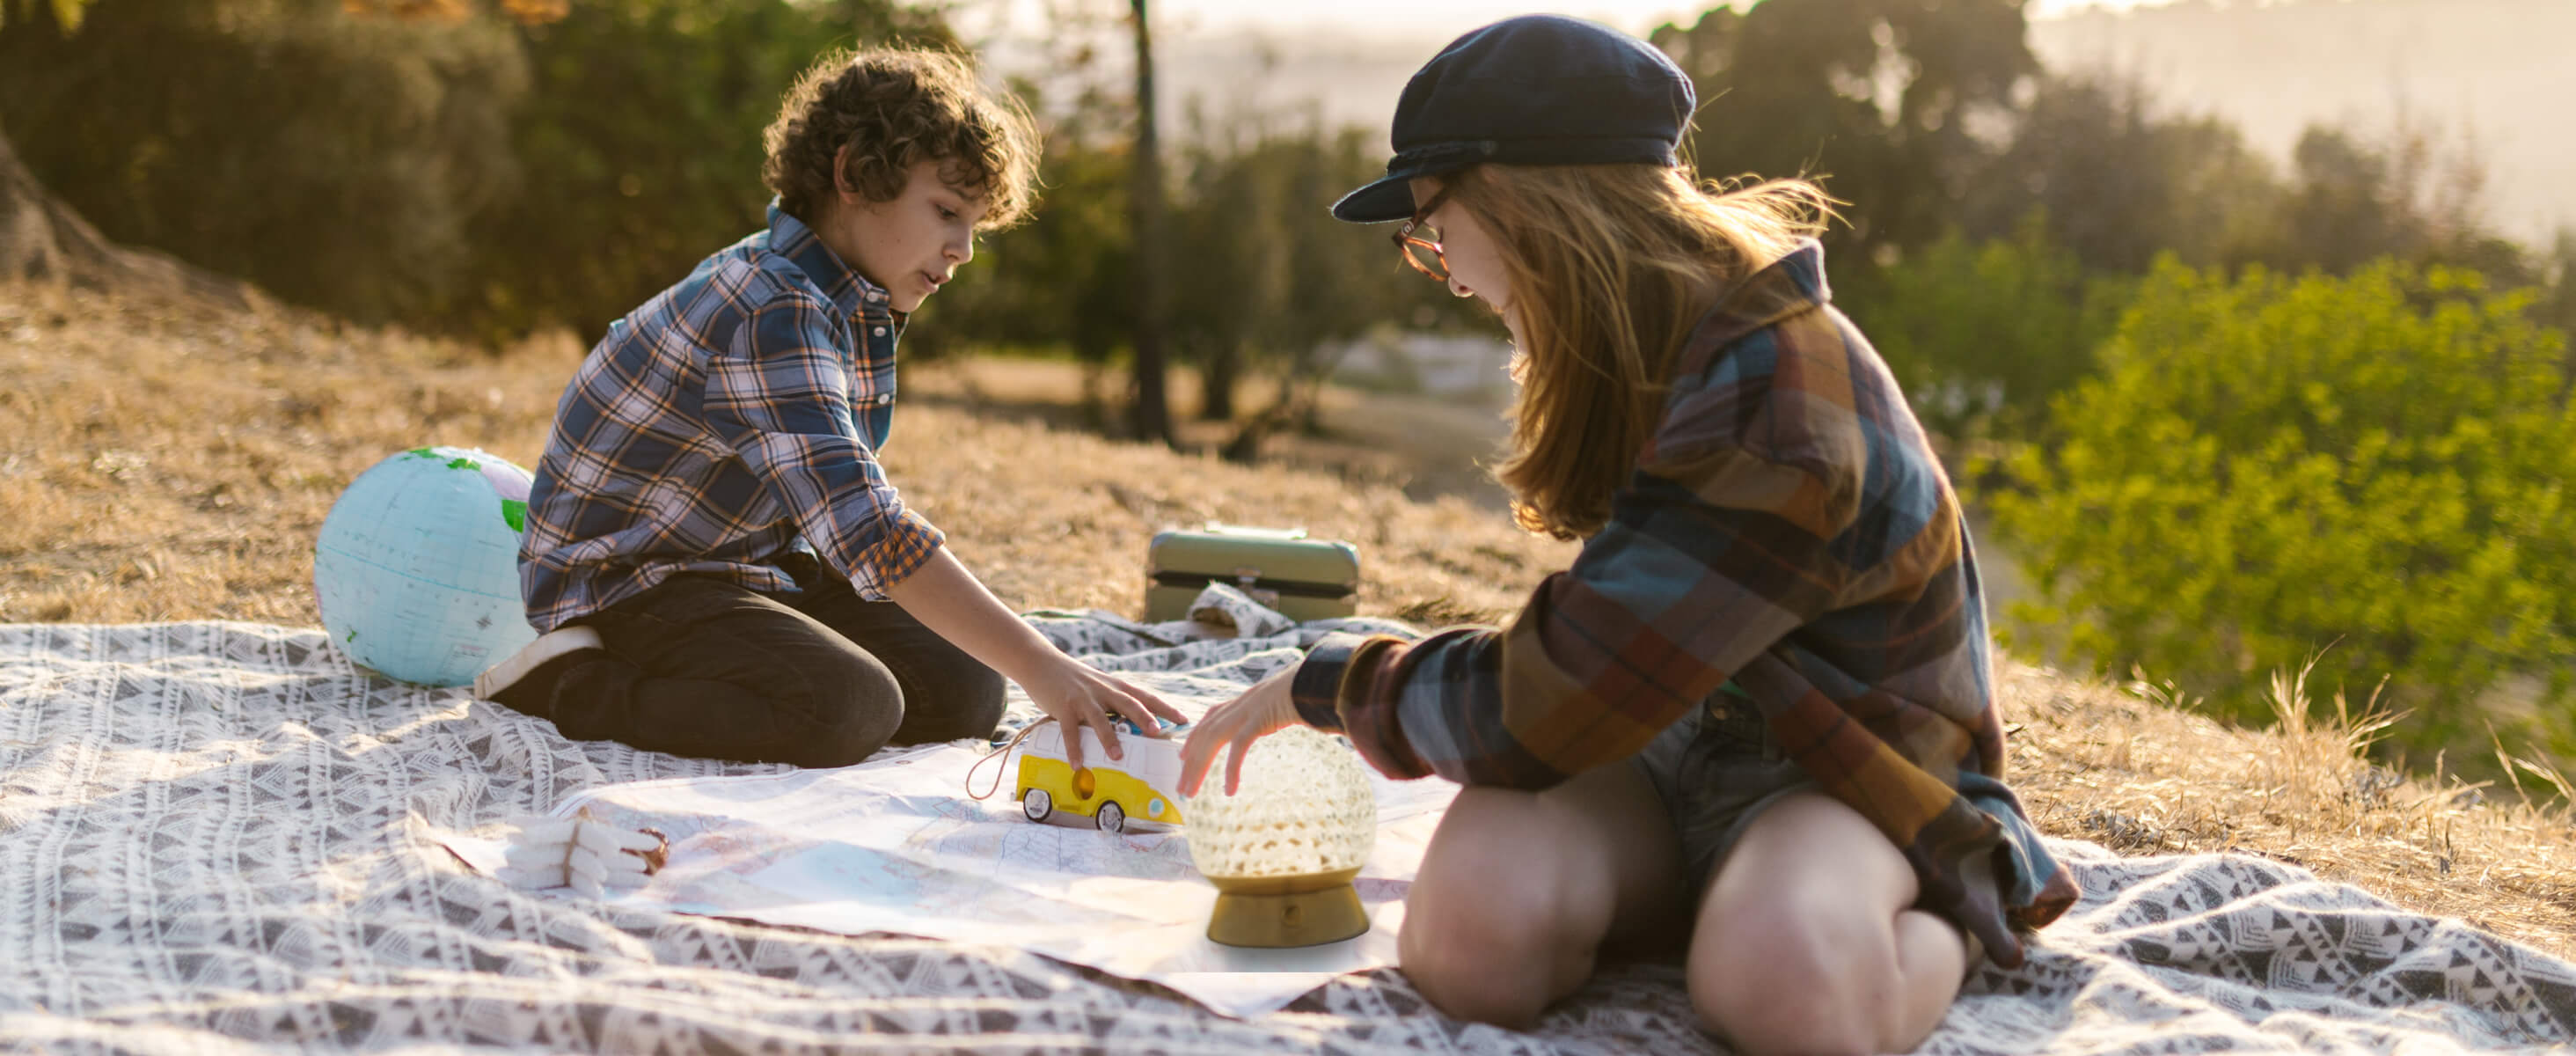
(2376, 467)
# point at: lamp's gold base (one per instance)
(1281, 911)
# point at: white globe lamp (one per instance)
(1284, 848)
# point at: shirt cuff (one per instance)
(910, 542)
(1337, 677)
(1317, 685)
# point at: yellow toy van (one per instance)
(1111, 792)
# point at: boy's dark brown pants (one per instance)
(705, 667)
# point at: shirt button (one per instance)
(880, 331)
(883, 400)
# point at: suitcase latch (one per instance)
(1245, 576)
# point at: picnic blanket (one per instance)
(221, 837)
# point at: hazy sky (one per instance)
(1414, 16)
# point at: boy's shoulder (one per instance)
(763, 267)
(756, 272)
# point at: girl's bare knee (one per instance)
(1488, 967)
(1518, 891)
(1792, 1028)
(1804, 992)
(1798, 948)
(1490, 935)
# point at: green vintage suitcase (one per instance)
(1305, 579)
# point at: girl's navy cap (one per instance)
(1533, 90)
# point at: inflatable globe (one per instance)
(417, 566)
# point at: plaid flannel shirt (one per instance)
(730, 419)
(1787, 527)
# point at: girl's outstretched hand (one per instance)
(1264, 709)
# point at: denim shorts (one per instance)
(1716, 770)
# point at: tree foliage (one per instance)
(2116, 184)
(639, 147)
(333, 160)
(2095, 183)
(2374, 468)
(1883, 99)
(1058, 281)
(448, 165)
(1261, 276)
(1982, 335)
(1269, 277)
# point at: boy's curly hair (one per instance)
(893, 108)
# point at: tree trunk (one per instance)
(1217, 377)
(1153, 415)
(41, 238)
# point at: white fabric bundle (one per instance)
(589, 856)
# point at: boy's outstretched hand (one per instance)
(952, 602)
(1077, 694)
(1264, 709)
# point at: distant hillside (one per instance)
(2498, 71)
(2501, 70)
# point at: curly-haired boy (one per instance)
(717, 561)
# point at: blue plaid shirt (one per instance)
(730, 419)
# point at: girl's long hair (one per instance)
(1610, 268)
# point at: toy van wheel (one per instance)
(1110, 818)
(1037, 804)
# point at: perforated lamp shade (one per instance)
(1283, 849)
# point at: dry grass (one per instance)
(2124, 767)
(165, 461)
(1426, 447)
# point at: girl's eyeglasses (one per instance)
(1424, 253)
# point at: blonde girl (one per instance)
(1754, 722)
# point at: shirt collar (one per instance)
(1792, 284)
(848, 290)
